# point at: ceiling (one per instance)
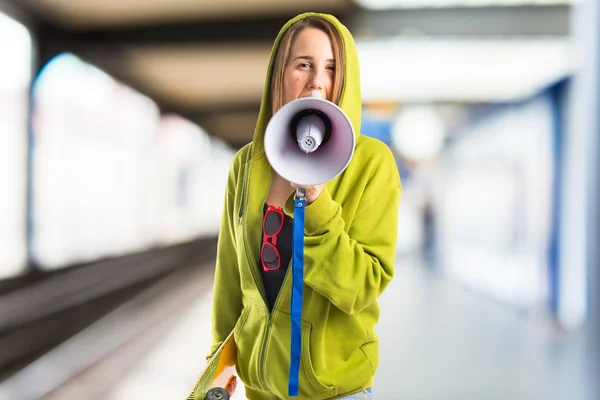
(115, 13)
(207, 59)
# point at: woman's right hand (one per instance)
(232, 385)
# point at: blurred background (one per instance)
(118, 123)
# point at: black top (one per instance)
(273, 280)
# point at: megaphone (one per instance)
(309, 141)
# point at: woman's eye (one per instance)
(331, 67)
(305, 65)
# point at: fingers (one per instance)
(231, 386)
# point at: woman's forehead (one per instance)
(312, 41)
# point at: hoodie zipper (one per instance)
(254, 272)
(244, 183)
(256, 277)
(263, 351)
(244, 230)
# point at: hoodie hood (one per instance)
(351, 99)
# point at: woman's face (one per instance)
(311, 66)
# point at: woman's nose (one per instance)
(316, 80)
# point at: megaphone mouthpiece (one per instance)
(317, 93)
(311, 131)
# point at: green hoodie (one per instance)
(350, 243)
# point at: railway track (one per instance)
(36, 319)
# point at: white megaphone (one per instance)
(309, 141)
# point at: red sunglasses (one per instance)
(272, 225)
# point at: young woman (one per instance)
(349, 244)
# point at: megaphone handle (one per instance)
(300, 193)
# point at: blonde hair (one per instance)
(283, 55)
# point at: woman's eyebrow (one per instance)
(307, 58)
(311, 58)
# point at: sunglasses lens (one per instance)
(270, 256)
(272, 223)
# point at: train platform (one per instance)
(438, 341)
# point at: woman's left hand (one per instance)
(312, 192)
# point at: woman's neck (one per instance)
(279, 191)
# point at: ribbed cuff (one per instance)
(317, 214)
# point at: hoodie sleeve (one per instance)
(352, 267)
(227, 293)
